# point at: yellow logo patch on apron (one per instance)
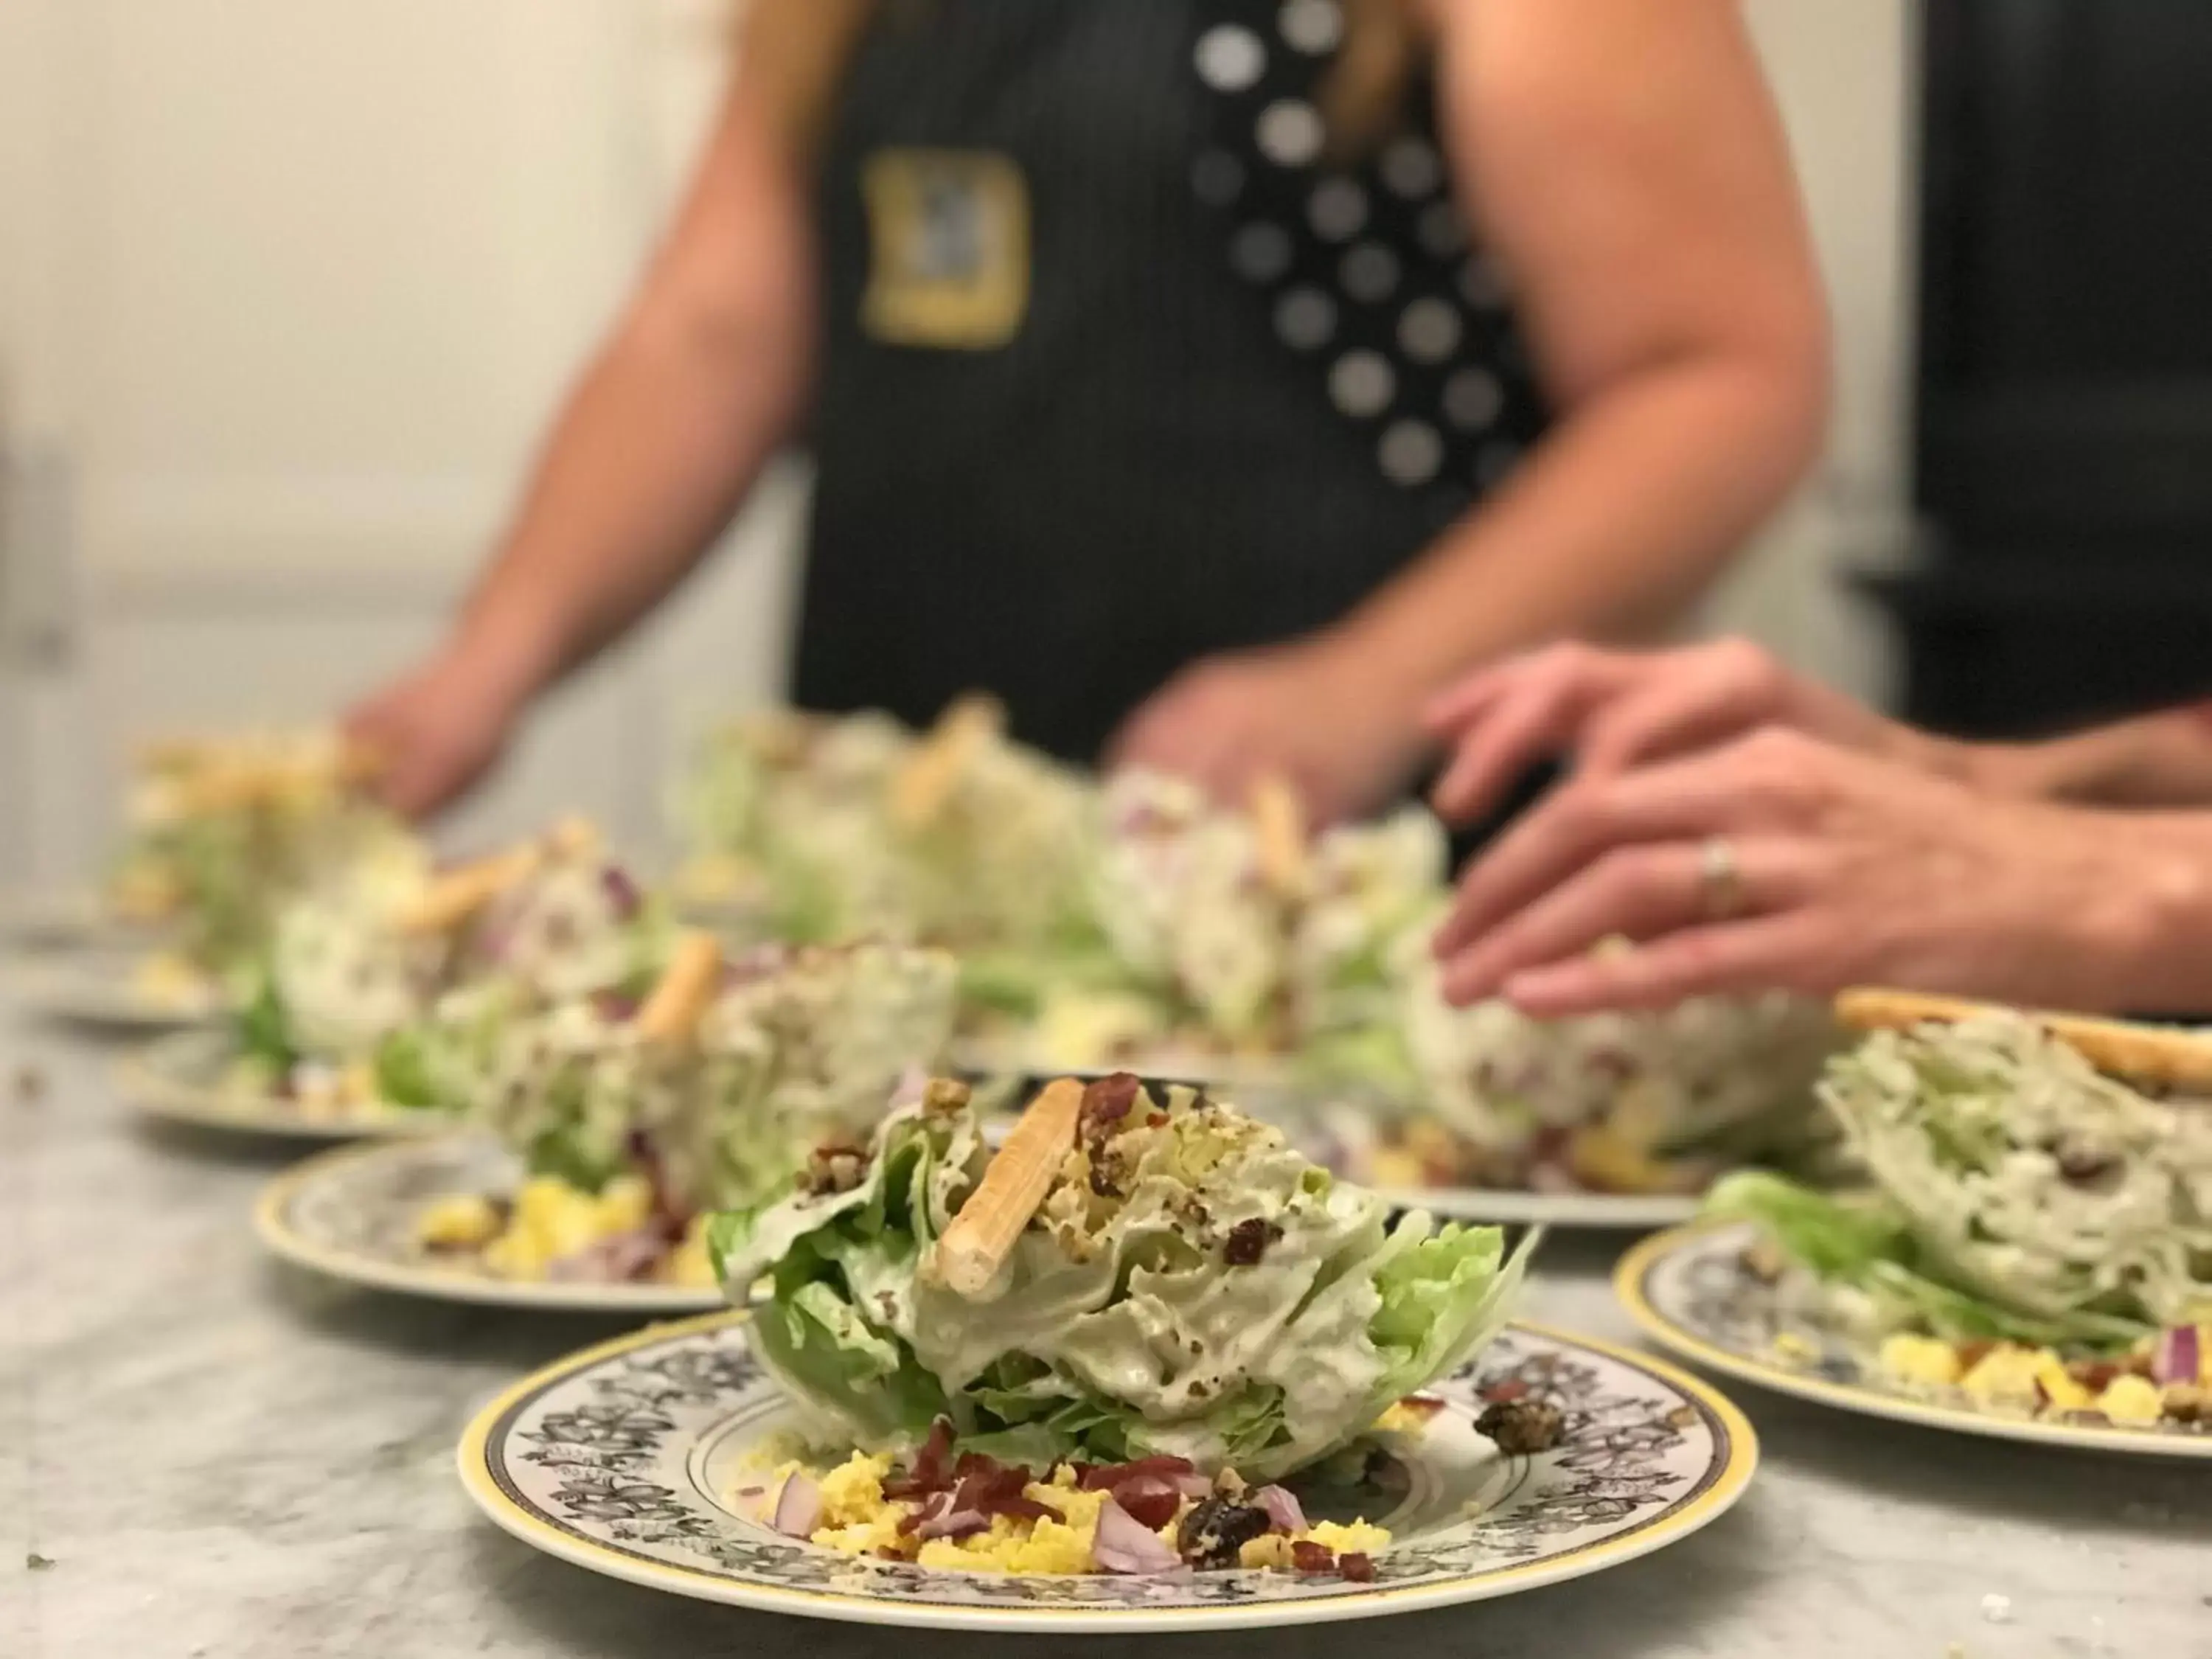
(951, 262)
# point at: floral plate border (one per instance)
(600, 1460)
(1689, 1291)
(348, 1214)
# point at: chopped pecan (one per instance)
(1521, 1427)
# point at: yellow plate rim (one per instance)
(1636, 1266)
(1720, 1493)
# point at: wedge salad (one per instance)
(384, 985)
(2039, 1237)
(1102, 1347)
(1621, 1102)
(221, 834)
(634, 1119)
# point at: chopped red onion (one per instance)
(2179, 1358)
(1123, 1545)
(1282, 1506)
(619, 1259)
(799, 1507)
(622, 892)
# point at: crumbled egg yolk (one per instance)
(857, 1519)
(2016, 1377)
(1920, 1359)
(460, 1221)
(1404, 1417)
(552, 1219)
(2131, 1399)
(689, 1264)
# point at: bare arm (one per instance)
(701, 383)
(702, 379)
(1625, 163)
(1623, 159)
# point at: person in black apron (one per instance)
(1157, 382)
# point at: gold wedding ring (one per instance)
(1720, 878)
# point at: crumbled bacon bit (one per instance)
(1421, 1405)
(1247, 1242)
(1106, 1102)
(1104, 1477)
(1308, 1557)
(930, 1472)
(2094, 1375)
(1357, 1569)
(1156, 1120)
(1148, 1500)
(1971, 1354)
(2082, 1167)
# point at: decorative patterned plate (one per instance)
(622, 1459)
(1690, 1291)
(103, 988)
(350, 1213)
(181, 1079)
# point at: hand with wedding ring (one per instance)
(1778, 861)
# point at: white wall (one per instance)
(294, 283)
(1842, 71)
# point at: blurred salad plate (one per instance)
(456, 1219)
(115, 989)
(37, 918)
(203, 1079)
(2033, 1260)
(1140, 1366)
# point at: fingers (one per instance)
(1524, 726)
(1733, 789)
(1727, 697)
(1635, 893)
(1795, 949)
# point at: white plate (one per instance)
(1247, 1079)
(350, 1213)
(623, 1459)
(42, 919)
(181, 1079)
(1588, 1212)
(1342, 1136)
(1690, 1291)
(101, 988)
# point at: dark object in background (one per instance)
(2063, 450)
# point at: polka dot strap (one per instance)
(1368, 268)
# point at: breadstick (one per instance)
(1279, 821)
(923, 786)
(2167, 1056)
(975, 1246)
(671, 1013)
(455, 897)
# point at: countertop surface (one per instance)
(204, 1454)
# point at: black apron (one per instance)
(1065, 443)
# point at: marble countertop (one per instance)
(203, 1456)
